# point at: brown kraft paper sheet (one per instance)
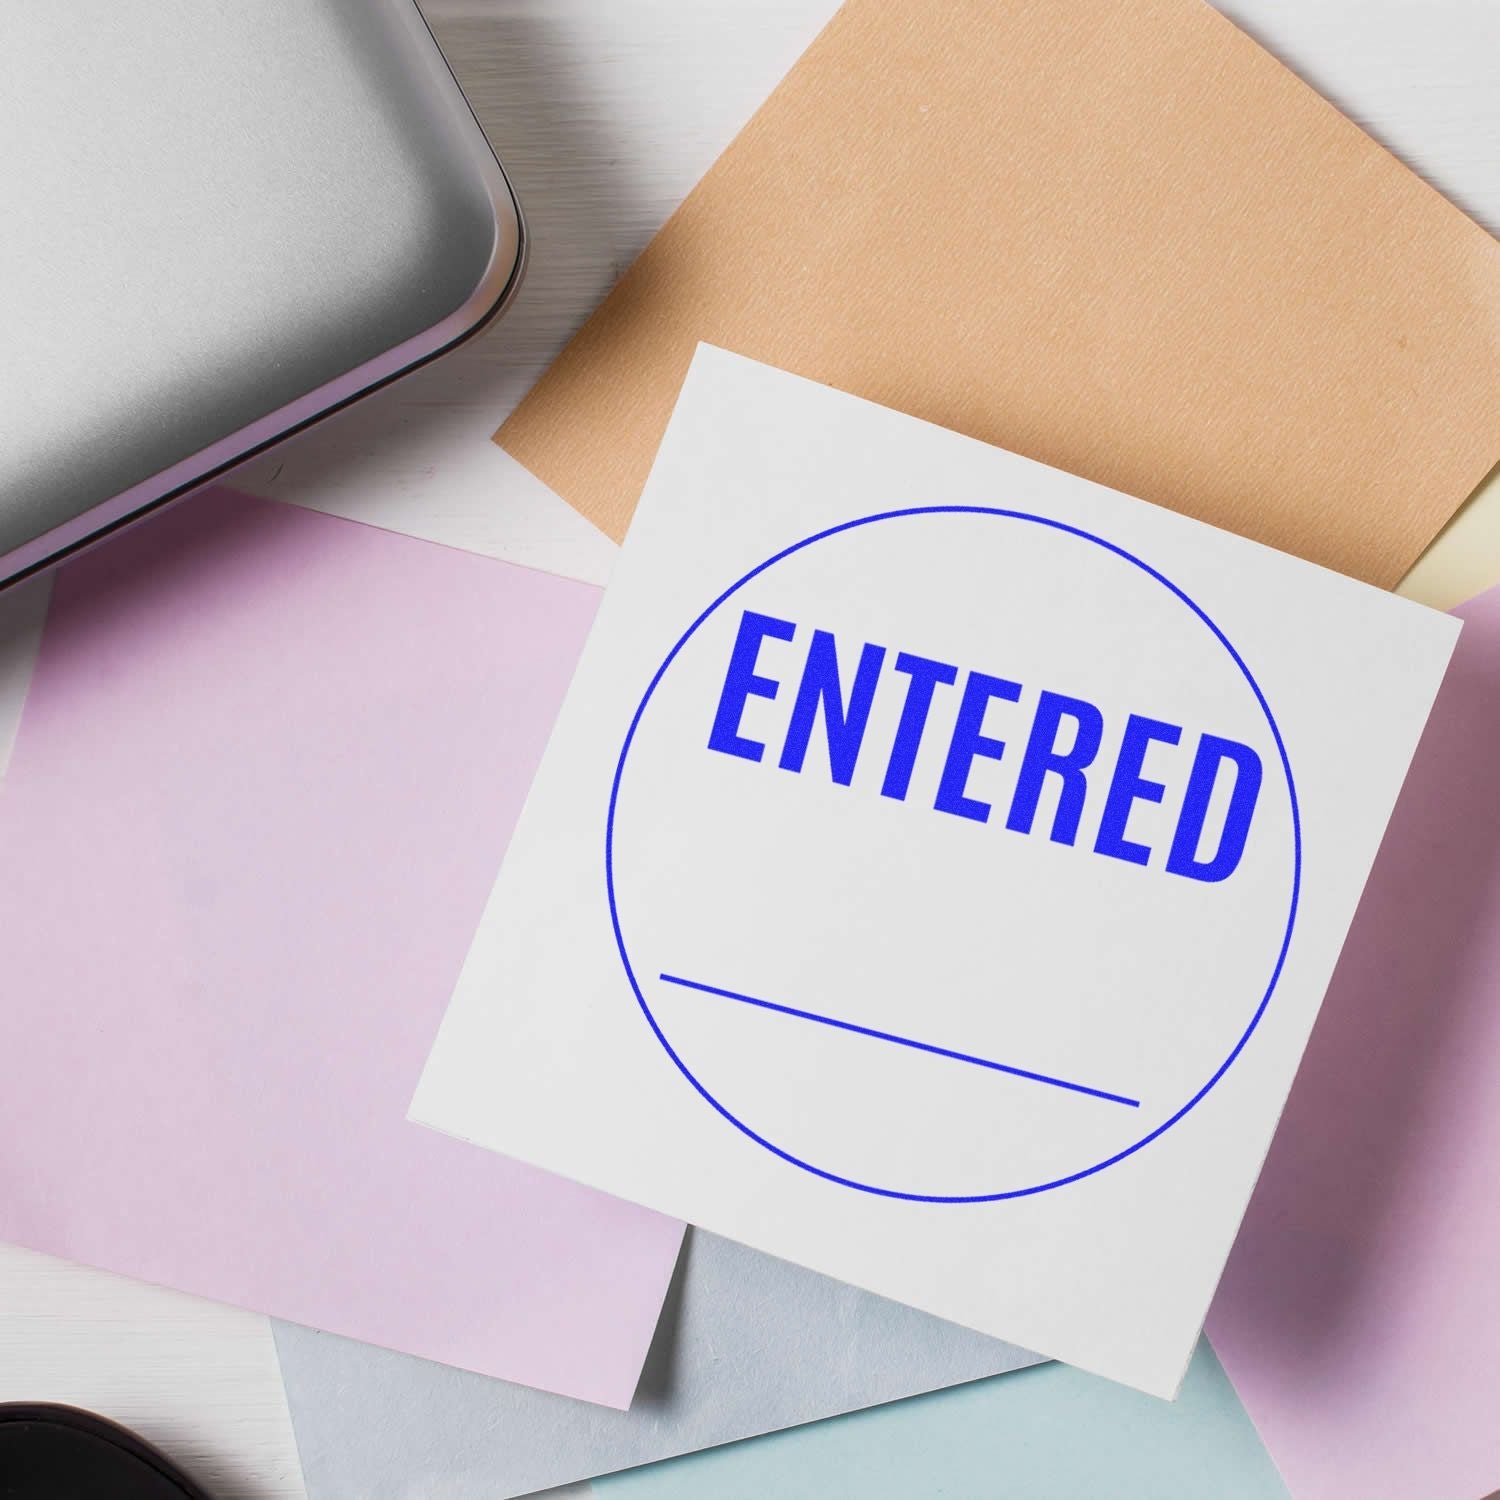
(1113, 235)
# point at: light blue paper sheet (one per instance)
(1049, 1433)
(746, 1345)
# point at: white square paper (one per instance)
(936, 870)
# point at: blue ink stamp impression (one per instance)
(953, 854)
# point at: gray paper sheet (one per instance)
(747, 1344)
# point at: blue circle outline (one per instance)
(974, 510)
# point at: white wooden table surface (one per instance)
(605, 112)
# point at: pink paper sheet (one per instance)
(267, 769)
(1359, 1317)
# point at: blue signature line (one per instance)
(901, 1041)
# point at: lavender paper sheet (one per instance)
(267, 766)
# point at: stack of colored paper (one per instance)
(935, 848)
